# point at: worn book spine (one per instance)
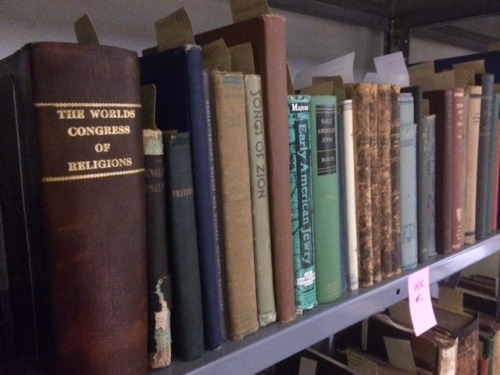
(408, 183)
(178, 77)
(214, 209)
(267, 36)
(375, 183)
(77, 132)
(361, 115)
(486, 81)
(159, 280)
(260, 199)
(395, 180)
(304, 257)
(471, 167)
(494, 172)
(458, 167)
(426, 180)
(349, 188)
(384, 156)
(326, 197)
(187, 309)
(236, 206)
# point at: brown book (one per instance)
(72, 158)
(267, 37)
(458, 168)
(395, 247)
(236, 204)
(375, 183)
(360, 94)
(471, 154)
(440, 104)
(384, 136)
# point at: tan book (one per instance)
(236, 202)
(471, 154)
(260, 199)
(395, 180)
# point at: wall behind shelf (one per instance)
(130, 24)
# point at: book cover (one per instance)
(267, 36)
(326, 197)
(72, 180)
(471, 167)
(486, 81)
(235, 199)
(159, 280)
(178, 77)
(458, 168)
(260, 199)
(494, 163)
(440, 104)
(408, 183)
(384, 142)
(375, 182)
(349, 188)
(361, 113)
(395, 180)
(301, 190)
(187, 309)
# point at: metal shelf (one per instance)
(277, 341)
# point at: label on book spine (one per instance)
(301, 198)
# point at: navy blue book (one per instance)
(178, 77)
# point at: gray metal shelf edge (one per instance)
(278, 341)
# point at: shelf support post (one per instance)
(397, 38)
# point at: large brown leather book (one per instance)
(236, 202)
(73, 186)
(384, 135)
(395, 180)
(267, 36)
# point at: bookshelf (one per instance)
(278, 341)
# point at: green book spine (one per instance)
(299, 126)
(325, 177)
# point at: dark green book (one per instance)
(326, 199)
(187, 311)
(299, 128)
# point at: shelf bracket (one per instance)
(397, 38)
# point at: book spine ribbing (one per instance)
(304, 259)
(395, 180)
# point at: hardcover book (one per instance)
(187, 310)
(395, 180)
(494, 161)
(236, 206)
(408, 184)
(159, 280)
(471, 167)
(301, 189)
(178, 77)
(267, 36)
(326, 196)
(349, 186)
(260, 199)
(72, 181)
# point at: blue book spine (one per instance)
(408, 182)
(299, 122)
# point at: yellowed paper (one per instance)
(242, 59)
(245, 9)
(174, 30)
(216, 56)
(85, 32)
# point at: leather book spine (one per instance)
(349, 188)
(361, 113)
(395, 181)
(408, 183)
(471, 167)
(267, 36)
(187, 309)
(384, 141)
(86, 158)
(485, 120)
(301, 190)
(260, 199)
(236, 207)
(326, 197)
(159, 280)
(458, 168)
